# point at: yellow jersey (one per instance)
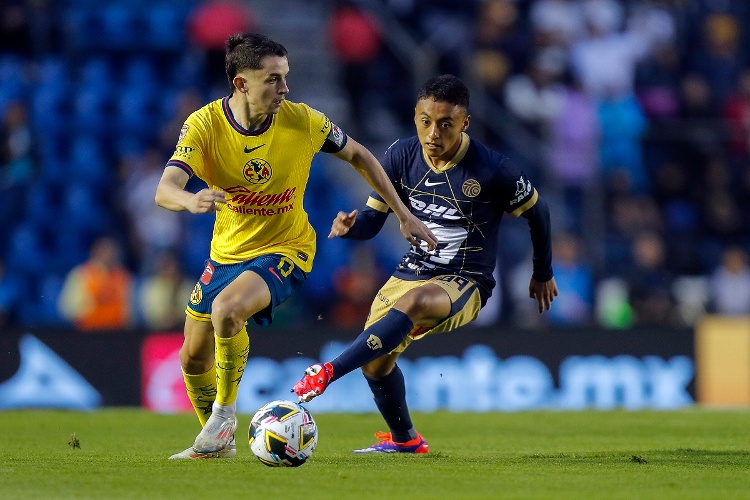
(264, 173)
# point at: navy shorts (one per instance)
(280, 273)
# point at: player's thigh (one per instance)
(197, 352)
(426, 305)
(247, 294)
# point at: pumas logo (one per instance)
(250, 150)
(471, 188)
(257, 171)
(374, 342)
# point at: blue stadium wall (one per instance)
(467, 370)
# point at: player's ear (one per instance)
(239, 83)
(465, 125)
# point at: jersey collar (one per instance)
(235, 125)
(453, 161)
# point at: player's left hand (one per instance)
(544, 292)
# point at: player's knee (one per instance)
(416, 304)
(226, 318)
(195, 362)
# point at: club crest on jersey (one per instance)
(257, 171)
(197, 295)
(471, 188)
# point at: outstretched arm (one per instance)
(542, 286)
(171, 194)
(358, 225)
(363, 161)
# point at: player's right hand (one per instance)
(342, 223)
(207, 201)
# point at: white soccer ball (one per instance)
(283, 434)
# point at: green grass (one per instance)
(630, 455)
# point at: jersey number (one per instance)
(450, 240)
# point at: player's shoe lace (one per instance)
(314, 383)
(387, 445)
(216, 434)
(229, 451)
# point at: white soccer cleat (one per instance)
(215, 434)
(190, 454)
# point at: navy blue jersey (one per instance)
(462, 203)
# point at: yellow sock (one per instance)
(231, 358)
(201, 389)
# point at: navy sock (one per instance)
(389, 393)
(379, 339)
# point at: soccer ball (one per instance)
(283, 434)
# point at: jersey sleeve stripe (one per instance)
(377, 205)
(181, 164)
(530, 203)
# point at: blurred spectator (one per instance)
(15, 31)
(556, 22)
(153, 230)
(500, 46)
(729, 291)
(658, 82)
(447, 26)
(574, 305)
(650, 283)
(96, 294)
(718, 58)
(574, 153)
(356, 43)
(17, 168)
(535, 96)
(355, 285)
(622, 127)
(613, 308)
(208, 27)
(162, 295)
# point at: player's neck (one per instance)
(243, 113)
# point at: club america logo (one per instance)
(257, 171)
(197, 295)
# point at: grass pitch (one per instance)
(123, 454)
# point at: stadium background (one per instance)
(632, 117)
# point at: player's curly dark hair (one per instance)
(445, 88)
(245, 51)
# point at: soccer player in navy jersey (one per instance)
(460, 189)
(254, 150)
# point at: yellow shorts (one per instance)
(465, 304)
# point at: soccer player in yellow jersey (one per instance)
(254, 150)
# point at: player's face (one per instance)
(265, 88)
(439, 126)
